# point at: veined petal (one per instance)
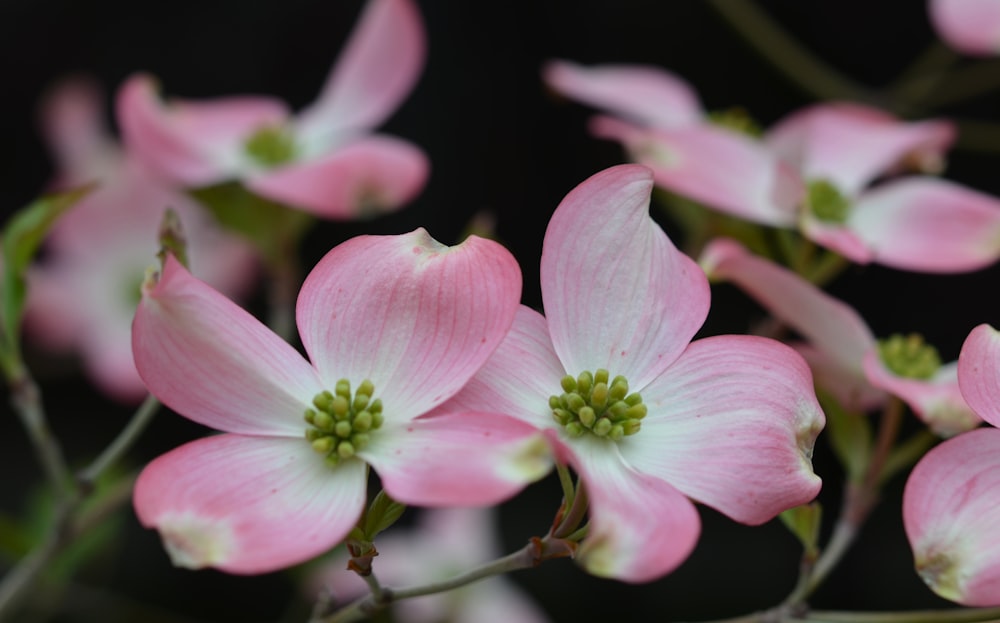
(970, 26)
(212, 362)
(832, 326)
(951, 512)
(732, 425)
(194, 143)
(645, 94)
(460, 459)
(370, 176)
(74, 128)
(979, 372)
(376, 70)
(851, 389)
(618, 295)
(641, 527)
(415, 317)
(248, 504)
(928, 224)
(720, 168)
(850, 145)
(842, 239)
(937, 401)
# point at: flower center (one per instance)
(736, 119)
(909, 356)
(340, 423)
(589, 403)
(271, 146)
(826, 203)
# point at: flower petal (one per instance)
(641, 527)
(73, 122)
(723, 169)
(645, 94)
(371, 176)
(979, 372)
(617, 293)
(850, 145)
(212, 362)
(928, 224)
(248, 504)
(837, 237)
(951, 512)
(970, 26)
(852, 391)
(732, 425)
(376, 70)
(415, 317)
(460, 459)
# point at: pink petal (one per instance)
(979, 372)
(189, 142)
(376, 70)
(644, 94)
(937, 401)
(951, 512)
(641, 527)
(852, 391)
(929, 224)
(832, 326)
(212, 362)
(371, 176)
(970, 26)
(732, 425)
(850, 145)
(462, 459)
(248, 504)
(415, 317)
(72, 117)
(720, 168)
(843, 239)
(617, 294)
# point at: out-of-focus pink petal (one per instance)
(412, 315)
(248, 504)
(519, 376)
(376, 70)
(194, 143)
(647, 95)
(843, 239)
(371, 176)
(937, 401)
(641, 527)
(970, 26)
(732, 425)
(618, 295)
(73, 123)
(951, 512)
(720, 168)
(979, 372)
(830, 325)
(928, 224)
(210, 360)
(851, 390)
(461, 459)
(850, 145)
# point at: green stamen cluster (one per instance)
(271, 146)
(736, 119)
(590, 403)
(826, 203)
(909, 356)
(341, 423)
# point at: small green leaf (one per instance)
(172, 239)
(804, 522)
(383, 512)
(850, 435)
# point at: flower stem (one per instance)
(126, 438)
(956, 615)
(27, 402)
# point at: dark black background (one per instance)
(497, 140)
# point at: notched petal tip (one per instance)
(195, 542)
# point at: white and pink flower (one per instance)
(969, 26)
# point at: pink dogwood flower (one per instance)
(393, 326)
(443, 542)
(326, 159)
(846, 359)
(647, 418)
(969, 26)
(84, 292)
(951, 504)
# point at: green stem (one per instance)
(957, 615)
(27, 402)
(978, 136)
(566, 481)
(970, 81)
(122, 443)
(921, 78)
(574, 515)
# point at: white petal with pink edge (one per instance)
(732, 425)
(951, 512)
(212, 362)
(249, 504)
(72, 116)
(979, 372)
(458, 459)
(415, 317)
(970, 26)
(617, 294)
